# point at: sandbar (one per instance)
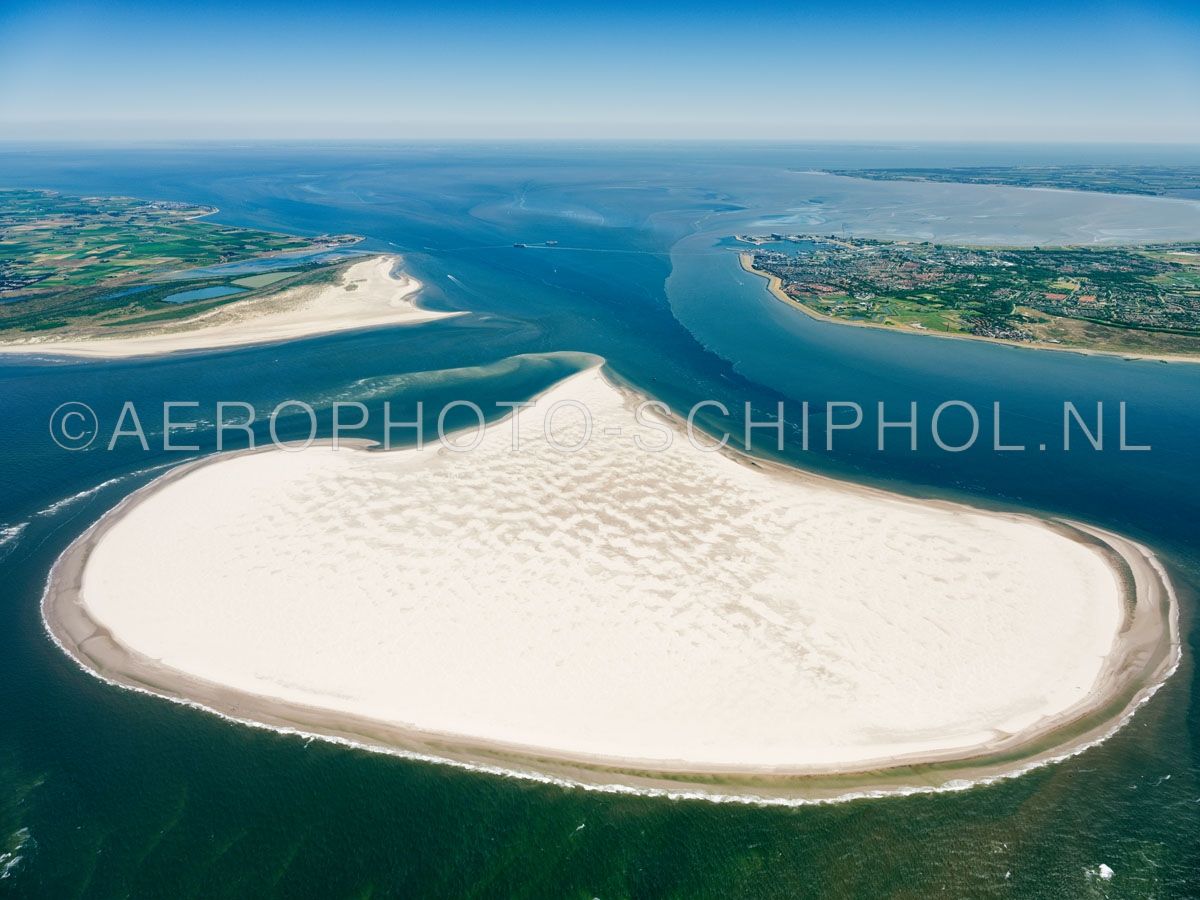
(679, 620)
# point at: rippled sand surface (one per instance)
(681, 606)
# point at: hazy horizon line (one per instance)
(598, 139)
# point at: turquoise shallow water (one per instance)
(108, 794)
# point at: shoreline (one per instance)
(1000, 184)
(775, 287)
(367, 294)
(1144, 653)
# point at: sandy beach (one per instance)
(368, 294)
(672, 620)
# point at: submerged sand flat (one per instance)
(675, 611)
(368, 294)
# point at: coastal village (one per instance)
(984, 291)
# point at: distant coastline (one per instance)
(367, 294)
(775, 287)
(69, 259)
(1164, 182)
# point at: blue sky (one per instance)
(855, 71)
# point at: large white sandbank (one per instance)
(678, 608)
(368, 294)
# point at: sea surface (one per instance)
(106, 793)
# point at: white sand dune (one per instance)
(683, 609)
(367, 295)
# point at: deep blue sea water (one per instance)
(105, 793)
